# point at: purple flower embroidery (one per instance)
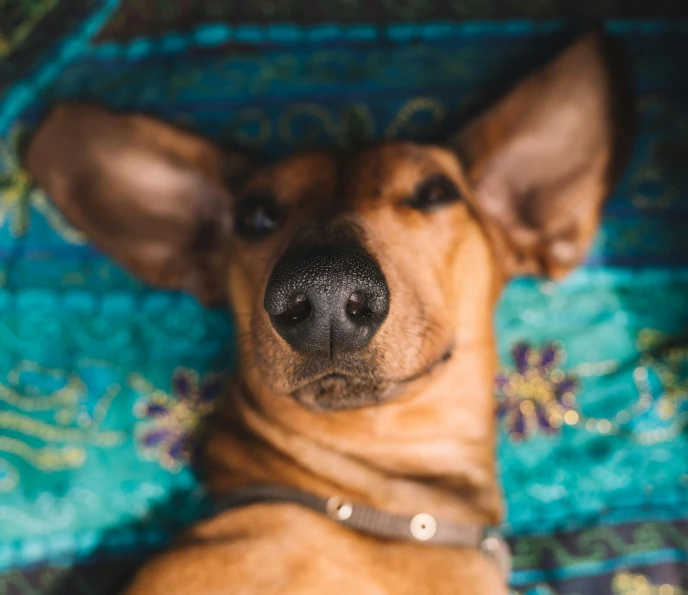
(171, 422)
(537, 394)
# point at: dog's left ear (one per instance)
(540, 161)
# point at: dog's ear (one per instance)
(540, 160)
(152, 196)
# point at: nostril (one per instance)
(298, 309)
(356, 306)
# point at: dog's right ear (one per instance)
(543, 159)
(154, 197)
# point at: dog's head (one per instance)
(351, 275)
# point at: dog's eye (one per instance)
(435, 191)
(257, 215)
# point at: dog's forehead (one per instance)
(389, 169)
(381, 170)
(389, 156)
(293, 177)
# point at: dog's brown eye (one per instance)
(435, 191)
(257, 215)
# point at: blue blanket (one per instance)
(92, 477)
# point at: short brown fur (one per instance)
(407, 425)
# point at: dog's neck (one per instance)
(429, 450)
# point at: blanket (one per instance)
(104, 381)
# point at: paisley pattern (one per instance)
(104, 382)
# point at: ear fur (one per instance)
(542, 160)
(149, 194)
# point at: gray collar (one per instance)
(421, 528)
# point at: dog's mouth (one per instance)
(341, 391)
(336, 391)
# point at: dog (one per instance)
(355, 448)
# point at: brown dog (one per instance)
(363, 287)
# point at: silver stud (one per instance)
(423, 527)
(490, 545)
(338, 509)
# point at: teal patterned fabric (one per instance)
(102, 380)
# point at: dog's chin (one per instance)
(338, 392)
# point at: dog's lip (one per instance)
(444, 357)
(343, 375)
(326, 376)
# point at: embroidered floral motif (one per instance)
(56, 442)
(538, 394)
(171, 422)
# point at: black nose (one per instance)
(327, 299)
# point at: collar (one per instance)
(420, 528)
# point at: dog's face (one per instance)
(346, 271)
(351, 275)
